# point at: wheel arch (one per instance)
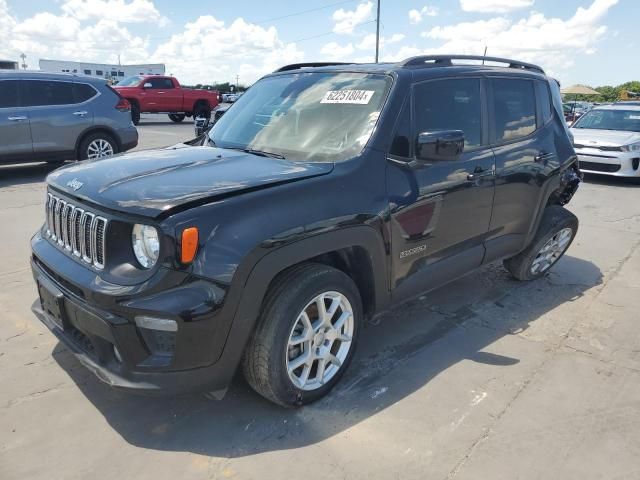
(362, 244)
(96, 129)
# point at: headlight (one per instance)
(634, 147)
(146, 244)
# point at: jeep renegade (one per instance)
(326, 195)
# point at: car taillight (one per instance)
(123, 105)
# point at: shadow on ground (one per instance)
(25, 173)
(399, 354)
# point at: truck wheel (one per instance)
(135, 113)
(557, 230)
(306, 335)
(176, 117)
(202, 111)
(97, 145)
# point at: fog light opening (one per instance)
(635, 162)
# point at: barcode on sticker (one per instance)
(360, 97)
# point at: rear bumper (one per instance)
(617, 164)
(128, 138)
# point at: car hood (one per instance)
(608, 138)
(153, 182)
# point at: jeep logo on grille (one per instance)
(75, 184)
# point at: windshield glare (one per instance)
(626, 120)
(129, 81)
(305, 116)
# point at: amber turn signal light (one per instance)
(189, 244)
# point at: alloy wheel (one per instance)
(320, 341)
(551, 251)
(99, 148)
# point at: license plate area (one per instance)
(52, 302)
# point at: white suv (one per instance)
(607, 140)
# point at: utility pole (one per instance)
(378, 32)
(237, 82)
(24, 63)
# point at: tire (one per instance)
(202, 110)
(135, 113)
(97, 141)
(177, 117)
(556, 232)
(269, 356)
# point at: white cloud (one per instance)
(335, 51)
(494, 6)
(207, 50)
(347, 20)
(136, 11)
(368, 42)
(416, 16)
(552, 42)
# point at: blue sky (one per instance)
(578, 41)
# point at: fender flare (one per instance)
(262, 273)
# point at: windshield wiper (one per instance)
(260, 153)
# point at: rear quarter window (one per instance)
(83, 92)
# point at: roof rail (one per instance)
(295, 66)
(446, 61)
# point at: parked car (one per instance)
(324, 197)
(55, 117)
(607, 140)
(160, 94)
(201, 124)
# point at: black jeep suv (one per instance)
(328, 194)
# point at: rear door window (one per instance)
(161, 83)
(8, 93)
(44, 92)
(450, 104)
(83, 92)
(514, 108)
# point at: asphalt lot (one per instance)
(485, 378)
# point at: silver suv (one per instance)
(55, 117)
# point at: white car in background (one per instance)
(607, 140)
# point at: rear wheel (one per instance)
(135, 113)
(203, 111)
(555, 234)
(306, 335)
(97, 145)
(177, 117)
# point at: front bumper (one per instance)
(107, 341)
(617, 164)
(128, 138)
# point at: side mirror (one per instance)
(440, 145)
(201, 125)
(147, 85)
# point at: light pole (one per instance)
(378, 32)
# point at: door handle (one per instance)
(81, 113)
(16, 119)
(542, 157)
(479, 173)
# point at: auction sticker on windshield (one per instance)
(360, 97)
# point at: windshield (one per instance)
(305, 116)
(129, 81)
(626, 120)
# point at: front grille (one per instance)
(598, 167)
(76, 230)
(602, 148)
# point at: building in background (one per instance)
(8, 65)
(102, 70)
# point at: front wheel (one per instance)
(306, 335)
(555, 234)
(176, 117)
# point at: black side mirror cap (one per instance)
(440, 145)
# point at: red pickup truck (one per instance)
(160, 94)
